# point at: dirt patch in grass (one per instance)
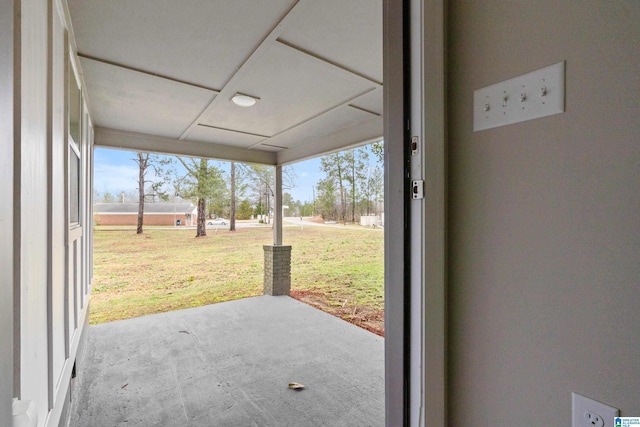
(340, 271)
(366, 317)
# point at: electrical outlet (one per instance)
(593, 419)
(591, 413)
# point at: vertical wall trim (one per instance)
(417, 216)
(50, 225)
(415, 248)
(74, 253)
(7, 143)
(65, 172)
(396, 182)
(82, 201)
(89, 231)
(427, 224)
(17, 223)
(85, 203)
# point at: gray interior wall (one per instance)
(6, 210)
(545, 216)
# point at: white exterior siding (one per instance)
(30, 247)
(58, 347)
(50, 260)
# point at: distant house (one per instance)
(184, 213)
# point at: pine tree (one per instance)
(202, 182)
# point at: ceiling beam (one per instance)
(124, 140)
(350, 137)
(334, 107)
(149, 73)
(328, 61)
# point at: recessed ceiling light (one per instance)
(244, 100)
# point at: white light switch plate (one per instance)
(530, 96)
(591, 413)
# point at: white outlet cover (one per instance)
(526, 97)
(582, 406)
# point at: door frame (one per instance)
(415, 230)
(8, 140)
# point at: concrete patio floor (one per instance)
(229, 364)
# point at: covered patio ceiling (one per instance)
(160, 74)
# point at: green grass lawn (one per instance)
(339, 270)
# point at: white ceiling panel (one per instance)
(198, 41)
(137, 102)
(166, 68)
(222, 136)
(292, 87)
(330, 122)
(346, 32)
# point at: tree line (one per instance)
(352, 186)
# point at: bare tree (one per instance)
(335, 165)
(355, 161)
(371, 188)
(237, 187)
(264, 183)
(146, 161)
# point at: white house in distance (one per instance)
(184, 213)
(511, 284)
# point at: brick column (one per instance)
(277, 269)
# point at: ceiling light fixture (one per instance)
(244, 100)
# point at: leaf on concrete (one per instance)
(296, 386)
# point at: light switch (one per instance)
(530, 96)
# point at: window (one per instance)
(75, 100)
(75, 135)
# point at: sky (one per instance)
(115, 171)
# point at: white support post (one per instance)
(277, 224)
(277, 258)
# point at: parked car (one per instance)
(217, 221)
